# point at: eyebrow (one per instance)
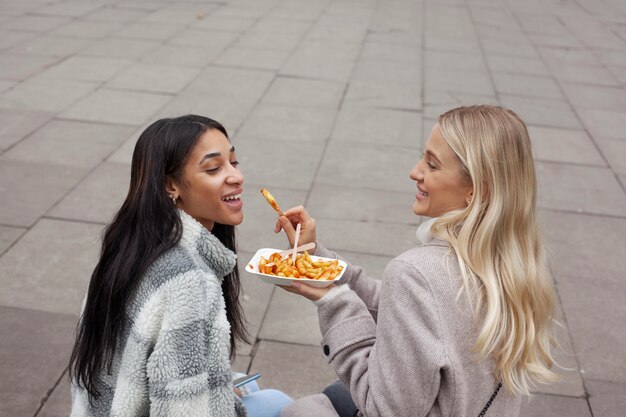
(429, 152)
(215, 154)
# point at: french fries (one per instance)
(305, 267)
(271, 200)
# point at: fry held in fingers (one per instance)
(304, 267)
(271, 200)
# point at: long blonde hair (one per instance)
(499, 246)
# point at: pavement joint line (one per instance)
(609, 381)
(122, 89)
(586, 213)
(232, 66)
(102, 122)
(9, 247)
(560, 86)
(551, 394)
(283, 342)
(340, 105)
(565, 320)
(310, 187)
(246, 118)
(45, 399)
(370, 221)
(484, 55)
(79, 221)
(256, 338)
(579, 164)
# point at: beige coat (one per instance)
(403, 345)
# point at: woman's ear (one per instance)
(171, 188)
(469, 196)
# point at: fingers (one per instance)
(297, 215)
(312, 293)
(284, 224)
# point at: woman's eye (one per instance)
(235, 163)
(212, 170)
(430, 165)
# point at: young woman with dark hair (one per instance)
(162, 316)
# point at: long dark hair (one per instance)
(146, 226)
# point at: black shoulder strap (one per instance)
(493, 397)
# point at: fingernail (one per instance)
(295, 285)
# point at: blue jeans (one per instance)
(264, 402)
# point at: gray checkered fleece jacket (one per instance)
(174, 359)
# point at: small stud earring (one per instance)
(173, 199)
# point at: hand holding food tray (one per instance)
(312, 270)
(282, 268)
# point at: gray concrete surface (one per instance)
(328, 103)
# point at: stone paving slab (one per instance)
(230, 112)
(305, 92)
(300, 326)
(17, 124)
(20, 67)
(296, 124)
(97, 197)
(254, 300)
(52, 46)
(554, 406)
(604, 123)
(5, 85)
(59, 141)
(45, 95)
(11, 38)
(32, 194)
(607, 399)
(542, 112)
(571, 237)
(96, 69)
(120, 48)
(303, 371)
(600, 347)
(59, 403)
(84, 29)
(615, 151)
(371, 167)
(373, 126)
(8, 235)
(329, 104)
(281, 161)
(49, 268)
(388, 239)
(154, 78)
(580, 188)
(116, 106)
(361, 205)
(254, 58)
(34, 354)
(565, 145)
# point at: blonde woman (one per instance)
(468, 311)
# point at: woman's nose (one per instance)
(416, 173)
(235, 177)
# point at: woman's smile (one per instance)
(421, 194)
(233, 200)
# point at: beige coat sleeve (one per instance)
(367, 288)
(391, 367)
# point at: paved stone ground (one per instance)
(328, 102)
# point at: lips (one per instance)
(421, 193)
(233, 199)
